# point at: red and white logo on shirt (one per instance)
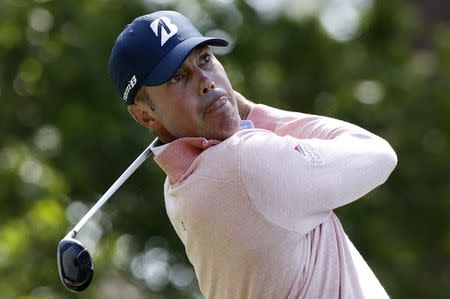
(308, 152)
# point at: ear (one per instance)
(142, 116)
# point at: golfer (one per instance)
(250, 189)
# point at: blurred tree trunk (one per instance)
(433, 13)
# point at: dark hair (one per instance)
(143, 97)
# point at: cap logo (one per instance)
(130, 85)
(164, 28)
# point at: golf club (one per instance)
(74, 261)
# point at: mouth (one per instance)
(216, 105)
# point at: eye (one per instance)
(176, 78)
(205, 58)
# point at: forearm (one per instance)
(303, 126)
(307, 178)
(314, 127)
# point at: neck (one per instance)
(244, 105)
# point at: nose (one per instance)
(205, 83)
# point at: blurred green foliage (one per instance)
(66, 136)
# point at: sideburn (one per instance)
(148, 100)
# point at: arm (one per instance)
(301, 125)
(315, 166)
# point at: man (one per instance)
(252, 200)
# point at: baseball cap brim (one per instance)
(170, 63)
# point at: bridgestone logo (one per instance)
(130, 85)
(167, 29)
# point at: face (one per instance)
(198, 101)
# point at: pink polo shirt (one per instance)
(255, 211)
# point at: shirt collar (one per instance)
(176, 157)
(157, 147)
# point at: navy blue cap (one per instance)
(151, 49)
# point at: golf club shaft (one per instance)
(129, 171)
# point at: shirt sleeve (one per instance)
(307, 165)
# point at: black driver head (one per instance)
(74, 265)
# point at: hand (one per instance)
(244, 105)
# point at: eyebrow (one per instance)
(200, 48)
(196, 51)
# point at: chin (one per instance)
(227, 132)
(225, 127)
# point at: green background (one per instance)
(65, 135)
